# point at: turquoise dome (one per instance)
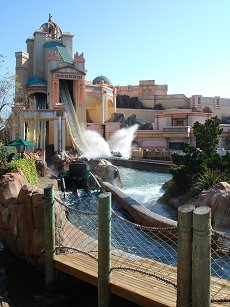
(99, 80)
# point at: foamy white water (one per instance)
(121, 141)
(145, 188)
(98, 147)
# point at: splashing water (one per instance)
(121, 141)
(98, 147)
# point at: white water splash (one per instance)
(121, 141)
(98, 147)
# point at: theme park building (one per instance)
(55, 99)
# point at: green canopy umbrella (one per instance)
(20, 142)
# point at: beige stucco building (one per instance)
(55, 98)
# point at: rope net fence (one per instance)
(149, 252)
(220, 267)
(77, 225)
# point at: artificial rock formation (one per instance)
(102, 168)
(106, 171)
(58, 161)
(21, 217)
(146, 126)
(130, 121)
(218, 199)
(124, 101)
(10, 185)
(22, 221)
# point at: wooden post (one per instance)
(49, 236)
(104, 245)
(201, 257)
(184, 258)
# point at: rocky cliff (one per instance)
(21, 217)
(218, 199)
(22, 221)
(129, 121)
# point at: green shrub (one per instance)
(200, 167)
(26, 165)
(5, 151)
(187, 167)
(207, 180)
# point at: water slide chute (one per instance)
(72, 120)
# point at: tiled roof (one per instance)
(34, 80)
(52, 44)
(62, 50)
(64, 54)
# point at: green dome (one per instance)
(101, 79)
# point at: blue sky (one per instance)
(182, 43)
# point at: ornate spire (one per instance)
(51, 28)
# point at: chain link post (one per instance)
(201, 257)
(184, 258)
(49, 235)
(104, 249)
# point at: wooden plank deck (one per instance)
(133, 286)
(126, 284)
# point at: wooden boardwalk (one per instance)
(133, 286)
(127, 284)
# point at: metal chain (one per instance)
(146, 273)
(222, 300)
(145, 227)
(77, 250)
(74, 209)
(220, 234)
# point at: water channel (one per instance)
(144, 187)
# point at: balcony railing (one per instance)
(177, 129)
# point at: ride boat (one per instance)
(76, 176)
(116, 154)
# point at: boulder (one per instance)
(106, 171)
(25, 189)
(10, 186)
(42, 168)
(130, 121)
(117, 117)
(37, 242)
(218, 199)
(125, 101)
(146, 126)
(58, 161)
(4, 218)
(22, 221)
(13, 225)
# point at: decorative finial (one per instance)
(50, 17)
